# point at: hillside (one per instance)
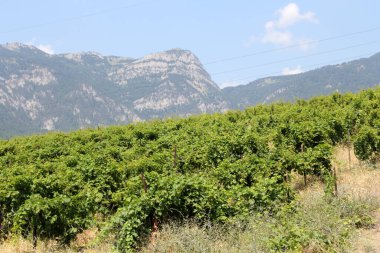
(41, 92)
(128, 182)
(350, 76)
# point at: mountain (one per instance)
(350, 76)
(40, 92)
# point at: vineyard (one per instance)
(130, 180)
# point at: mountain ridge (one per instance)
(42, 92)
(351, 76)
(78, 90)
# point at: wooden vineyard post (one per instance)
(144, 182)
(304, 170)
(349, 149)
(153, 219)
(175, 156)
(335, 183)
(34, 233)
(1, 221)
(287, 183)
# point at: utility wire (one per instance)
(293, 46)
(318, 65)
(65, 20)
(295, 58)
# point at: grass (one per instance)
(83, 243)
(316, 224)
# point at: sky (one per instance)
(237, 41)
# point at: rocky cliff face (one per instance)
(40, 92)
(168, 81)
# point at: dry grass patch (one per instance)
(360, 181)
(341, 156)
(22, 245)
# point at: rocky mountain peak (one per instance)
(176, 55)
(83, 56)
(14, 46)
(40, 92)
(17, 47)
(175, 66)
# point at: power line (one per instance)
(321, 64)
(207, 63)
(295, 58)
(293, 46)
(59, 21)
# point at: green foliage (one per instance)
(219, 167)
(367, 143)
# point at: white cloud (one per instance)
(290, 14)
(227, 83)
(284, 38)
(43, 47)
(46, 48)
(292, 71)
(277, 33)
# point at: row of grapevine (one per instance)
(210, 167)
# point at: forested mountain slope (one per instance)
(350, 76)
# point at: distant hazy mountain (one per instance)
(41, 92)
(346, 77)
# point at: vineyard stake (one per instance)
(144, 182)
(1, 221)
(349, 149)
(287, 180)
(304, 170)
(175, 156)
(34, 233)
(154, 221)
(335, 182)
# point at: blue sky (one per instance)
(214, 30)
